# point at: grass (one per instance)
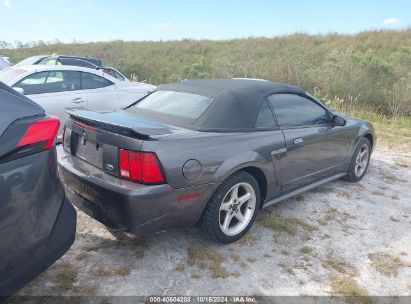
(82, 255)
(102, 271)
(205, 257)
(203, 253)
(287, 268)
(66, 276)
(288, 225)
(341, 266)
(378, 193)
(87, 290)
(180, 267)
(385, 263)
(122, 271)
(277, 223)
(393, 132)
(306, 250)
(348, 288)
(235, 257)
(247, 239)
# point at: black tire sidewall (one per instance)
(212, 212)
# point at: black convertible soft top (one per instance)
(236, 101)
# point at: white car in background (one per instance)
(58, 88)
(4, 62)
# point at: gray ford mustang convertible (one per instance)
(207, 152)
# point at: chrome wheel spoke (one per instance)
(239, 216)
(225, 206)
(234, 193)
(227, 221)
(244, 198)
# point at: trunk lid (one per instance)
(97, 137)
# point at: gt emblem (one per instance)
(109, 167)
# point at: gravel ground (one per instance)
(341, 238)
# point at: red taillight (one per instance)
(142, 167)
(84, 126)
(44, 130)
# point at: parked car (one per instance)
(207, 152)
(114, 73)
(86, 62)
(4, 62)
(37, 222)
(58, 88)
(81, 61)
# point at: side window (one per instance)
(119, 76)
(50, 61)
(109, 72)
(50, 82)
(70, 79)
(91, 81)
(293, 110)
(32, 84)
(265, 118)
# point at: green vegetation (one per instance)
(347, 287)
(367, 75)
(205, 257)
(385, 263)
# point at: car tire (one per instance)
(359, 164)
(237, 198)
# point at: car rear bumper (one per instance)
(139, 209)
(61, 239)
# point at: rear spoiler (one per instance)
(120, 122)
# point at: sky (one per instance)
(104, 20)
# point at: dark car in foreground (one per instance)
(209, 153)
(37, 222)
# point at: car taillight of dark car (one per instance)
(28, 136)
(140, 167)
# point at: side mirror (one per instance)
(20, 90)
(338, 121)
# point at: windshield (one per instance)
(9, 74)
(177, 104)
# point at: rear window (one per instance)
(8, 74)
(177, 104)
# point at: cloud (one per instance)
(391, 21)
(7, 4)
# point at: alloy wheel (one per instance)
(361, 161)
(237, 208)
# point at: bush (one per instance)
(370, 69)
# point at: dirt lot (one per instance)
(341, 238)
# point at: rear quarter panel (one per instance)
(220, 155)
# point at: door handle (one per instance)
(298, 141)
(77, 100)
